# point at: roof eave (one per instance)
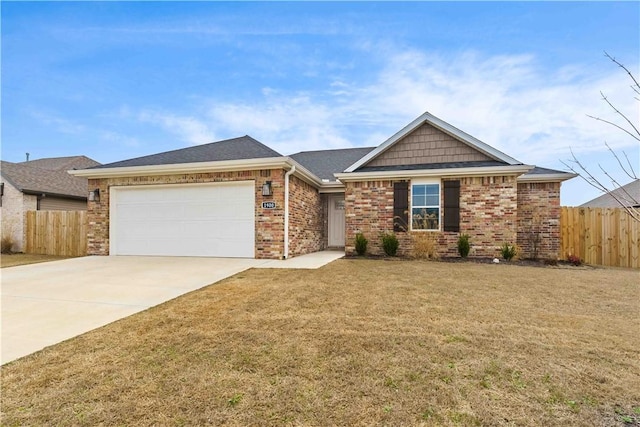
(332, 187)
(442, 173)
(50, 194)
(443, 126)
(176, 168)
(547, 177)
(201, 167)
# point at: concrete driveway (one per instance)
(44, 304)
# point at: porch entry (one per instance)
(336, 221)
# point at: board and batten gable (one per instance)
(427, 145)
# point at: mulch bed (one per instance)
(483, 260)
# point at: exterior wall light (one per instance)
(94, 196)
(266, 189)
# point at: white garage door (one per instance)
(183, 220)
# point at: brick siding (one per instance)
(539, 219)
(15, 205)
(488, 213)
(368, 210)
(269, 229)
(306, 222)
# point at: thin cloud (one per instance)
(60, 124)
(508, 101)
(189, 129)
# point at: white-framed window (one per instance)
(425, 205)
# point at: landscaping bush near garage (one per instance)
(358, 342)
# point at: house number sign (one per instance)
(268, 205)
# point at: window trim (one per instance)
(427, 181)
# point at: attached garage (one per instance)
(211, 219)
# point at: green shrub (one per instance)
(463, 245)
(508, 251)
(390, 244)
(361, 244)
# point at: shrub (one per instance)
(463, 245)
(6, 244)
(508, 251)
(390, 244)
(425, 246)
(575, 260)
(361, 244)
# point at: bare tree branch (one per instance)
(617, 192)
(630, 173)
(635, 86)
(626, 203)
(613, 124)
(604, 97)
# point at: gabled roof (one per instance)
(325, 163)
(327, 169)
(241, 148)
(627, 195)
(35, 180)
(444, 127)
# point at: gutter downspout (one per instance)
(286, 211)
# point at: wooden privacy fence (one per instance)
(56, 233)
(602, 236)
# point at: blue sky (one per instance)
(116, 80)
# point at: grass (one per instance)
(12, 260)
(358, 342)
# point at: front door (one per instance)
(336, 221)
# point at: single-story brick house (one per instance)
(240, 198)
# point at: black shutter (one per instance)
(452, 206)
(400, 206)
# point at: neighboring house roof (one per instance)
(444, 127)
(627, 195)
(241, 148)
(62, 163)
(38, 180)
(325, 163)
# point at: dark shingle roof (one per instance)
(62, 163)
(450, 165)
(628, 194)
(545, 171)
(325, 163)
(241, 148)
(27, 178)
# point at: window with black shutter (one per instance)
(400, 206)
(452, 206)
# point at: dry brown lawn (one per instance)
(358, 342)
(12, 260)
